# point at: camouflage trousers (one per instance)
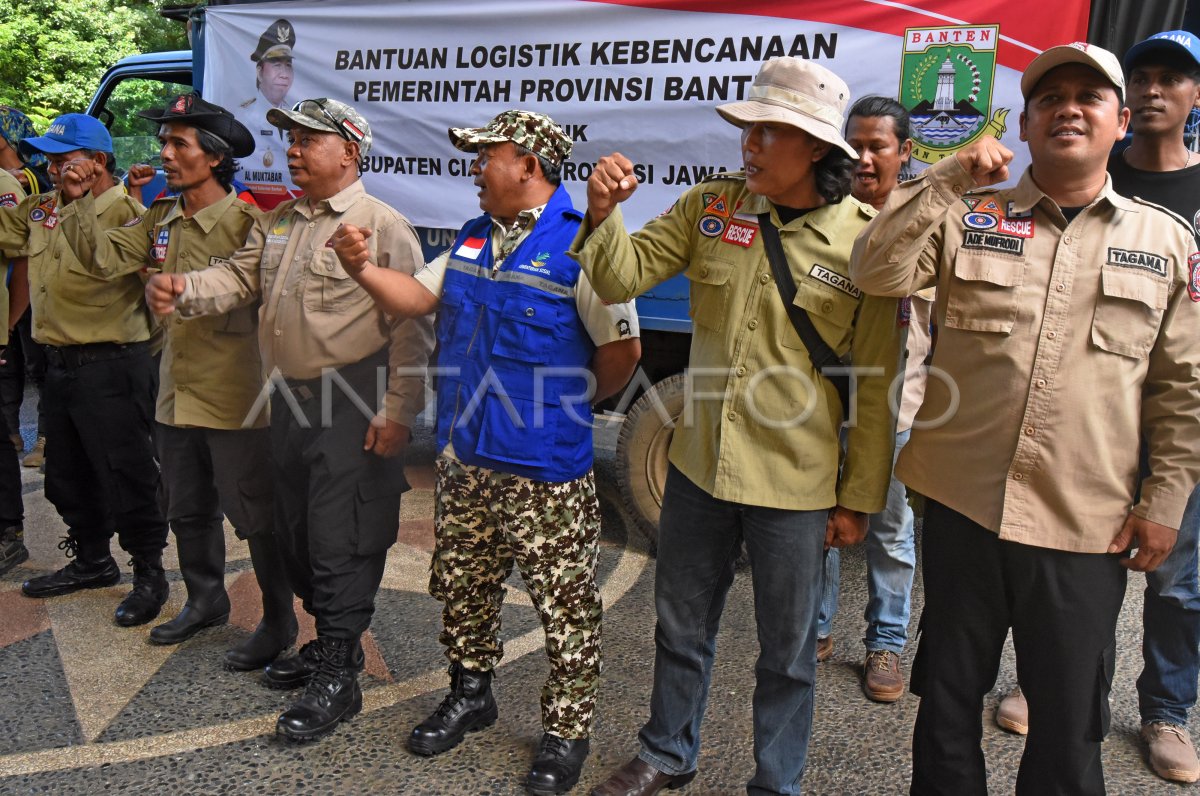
(484, 521)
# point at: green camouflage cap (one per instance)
(535, 131)
(325, 116)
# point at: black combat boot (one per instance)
(331, 696)
(468, 707)
(296, 671)
(277, 630)
(557, 766)
(93, 568)
(12, 548)
(150, 591)
(202, 565)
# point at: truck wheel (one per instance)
(642, 447)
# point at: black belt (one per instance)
(353, 374)
(75, 356)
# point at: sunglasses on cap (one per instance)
(344, 127)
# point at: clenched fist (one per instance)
(986, 160)
(611, 182)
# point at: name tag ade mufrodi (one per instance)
(1131, 258)
(991, 241)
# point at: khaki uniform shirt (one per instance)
(313, 315)
(70, 305)
(211, 373)
(917, 348)
(754, 431)
(11, 194)
(1059, 344)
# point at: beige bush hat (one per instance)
(799, 93)
(1078, 52)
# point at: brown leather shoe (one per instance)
(824, 649)
(639, 778)
(882, 680)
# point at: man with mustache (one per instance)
(213, 443)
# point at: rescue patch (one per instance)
(1194, 278)
(133, 222)
(835, 280)
(470, 248)
(158, 252)
(1020, 227)
(979, 221)
(1012, 212)
(718, 207)
(1148, 261)
(991, 241)
(740, 234)
(51, 220)
(8, 200)
(710, 226)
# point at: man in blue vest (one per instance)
(526, 347)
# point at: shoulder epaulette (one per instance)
(1186, 224)
(248, 102)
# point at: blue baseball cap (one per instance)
(1173, 41)
(70, 132)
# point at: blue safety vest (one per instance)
(513, 392)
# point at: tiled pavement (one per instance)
(89, 708)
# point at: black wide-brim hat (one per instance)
(193, 111)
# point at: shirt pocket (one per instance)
(710, 291)
(328, 287)
(525, 330)
(823, 307)
(1129, 311)
(983, 293)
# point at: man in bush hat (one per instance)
(101, 472)
(760, 465)
(335, 442)
(509, 491)
(212, 441)
(266, 173)
(1067, 317)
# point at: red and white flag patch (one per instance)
(470, 248)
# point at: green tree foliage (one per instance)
(53, 52)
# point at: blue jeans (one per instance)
(1171, 628)
(891, 560)
(697, 545)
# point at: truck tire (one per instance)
(642, 452)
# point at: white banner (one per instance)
(623, 77)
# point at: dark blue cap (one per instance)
(1173, 41)
(70, 132)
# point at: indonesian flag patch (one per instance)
(470, 248)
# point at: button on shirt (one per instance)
(314, 315)
(211, 374)
(755, 432)
(1058, 345)
(70, 305)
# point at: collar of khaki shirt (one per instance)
(206, 217)
(816, 219)
(340, 202)
(1027, 195)
(104, 200)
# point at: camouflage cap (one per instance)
(535, 131)
(16, 126)
(325, 116)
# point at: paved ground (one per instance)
(90, 708)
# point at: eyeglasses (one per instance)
(344, 127)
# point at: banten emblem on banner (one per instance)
(946, 82)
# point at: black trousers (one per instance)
(1062, 608)
(12, 506)
(337, 506)
(101, 472)
(209, 473)
(24, 361)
